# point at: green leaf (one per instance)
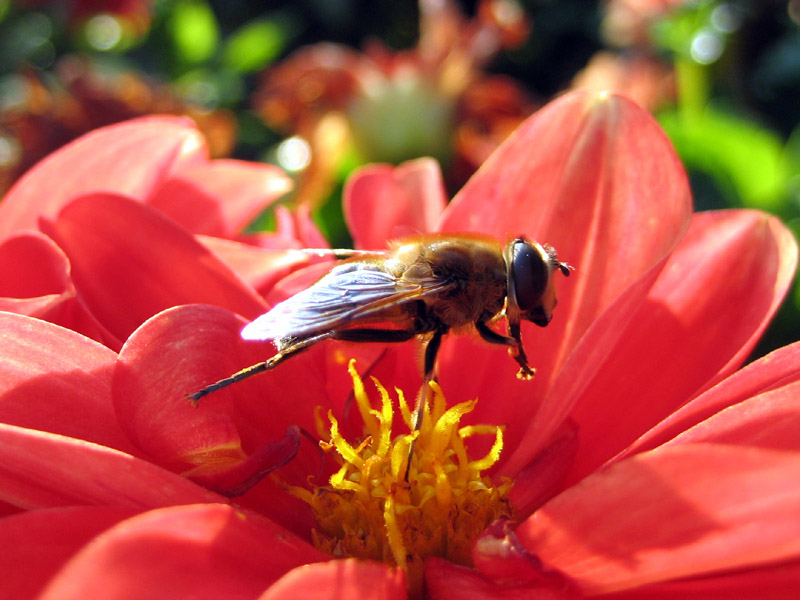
(256, 44)
(745, 160)
(194, 30)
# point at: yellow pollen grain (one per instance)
(376, 507)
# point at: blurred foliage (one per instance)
(723, 78)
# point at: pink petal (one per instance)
(669, 514)
(130, 158)
(777, 372)
(203, 551)
(35, 280)
(382, 202)
(595, 176)
(337, 579)
(138, 263)
(44, 470)
(220, 198)
(56, 380)
(293, 229)
(37, 544)
(703, 316)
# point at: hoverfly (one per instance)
(422, 286)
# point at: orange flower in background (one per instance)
(392, 106)
(642, 462)
(40, 116)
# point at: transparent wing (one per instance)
(350, 291)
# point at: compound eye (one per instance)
(531, 271)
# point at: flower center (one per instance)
(378, 507)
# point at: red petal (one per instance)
(583, 174)
(32, 265)
(595, 176)
(382, 202)
(446, 581)
(205, 551)
(35, 281)
(220, 198)
(43, 470)
(337, 579)
(780, 582)
(129, 158)
(769, 420)
(176, 353)
(56, 380)
(37, 544)
(260, 268)
(579, 371)
(669, 514)
(702, 317)
(186, 348)
(777, 371)
(138, 263)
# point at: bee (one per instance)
(423, 286)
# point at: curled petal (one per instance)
(239, 478)
(220, 198)
(382, 202)
(335, 579)
(130, 158)
(727, 508)
(36, 544)
(35, 280)
(200, 551)
(140, 262)
(33, 267)
(56, 380)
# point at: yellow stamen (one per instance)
(372, 510)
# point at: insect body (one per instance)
(424, 285)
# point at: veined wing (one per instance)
(348, 292)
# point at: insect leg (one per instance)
(373, 335)
(267, 365)
(525, 370)
(514, 342)
(431, 350)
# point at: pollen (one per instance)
(379, 507)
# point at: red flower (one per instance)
(120, 207)
(644, 464)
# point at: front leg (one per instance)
(514, 342)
